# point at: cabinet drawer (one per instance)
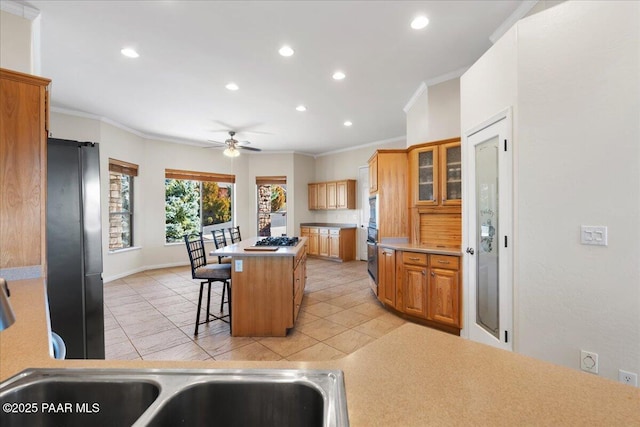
(334, 232)
(313, 230)
(445, 261)
(414, 258)
(324, 231)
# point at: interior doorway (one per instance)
(488, 209)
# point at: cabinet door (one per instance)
(425, 164)
(322, 196)
(313, 196)
(373, 175)
(331, 195)
(387, 276)
(414, 294)
(323, 239)
(313, 241)
(23, 176)
(334, 243)
(444, 296)
(341, 195)
(450, 160)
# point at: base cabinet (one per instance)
(338, 244)
(424, 287)
(387, 276)
(414, 291)
(444, 292)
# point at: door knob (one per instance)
(470, 251)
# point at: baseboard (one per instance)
(108, 279)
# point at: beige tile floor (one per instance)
(151, 316)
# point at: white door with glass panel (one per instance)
(489, 213)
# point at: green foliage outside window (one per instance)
(183, 202)
(278, 198)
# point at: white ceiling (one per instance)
(189, 51)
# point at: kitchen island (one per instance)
(412, 376)
(267, 286)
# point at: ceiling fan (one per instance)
(233, 145)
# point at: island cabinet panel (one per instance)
(23, 170)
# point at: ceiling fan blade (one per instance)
(219, 144)
(248, 148)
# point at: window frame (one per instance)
(129, 170)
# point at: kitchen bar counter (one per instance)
(238, 249)
(413, 376)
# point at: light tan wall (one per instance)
(418, 119)
(345, 165)
(15, 42)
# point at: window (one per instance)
(197, 201)
(121, 203)
(272, 205)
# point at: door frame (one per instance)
(506, 228)
(363, 197)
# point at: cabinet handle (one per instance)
(443, 262)
(414, 258)
(424, 273)
(433, 274)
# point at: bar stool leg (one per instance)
(199, 306)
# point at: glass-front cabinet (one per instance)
(437, 174)
(425, 162)
(451, 172)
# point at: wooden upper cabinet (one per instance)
(313, 196)
(424, 175)
(373, 174)
(436, 173)
(451, 174)
(393, 192)
(23, 185)
(333, 195)
(322, 196)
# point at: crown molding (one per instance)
(357, 147)
(419, 91)
(517, 14)
(20, 9)
(446, 77)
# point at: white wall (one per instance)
(15, 42)
(573, 83)
(434, 113)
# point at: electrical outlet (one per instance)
(238, 266)
(589, 361)
(626, 377)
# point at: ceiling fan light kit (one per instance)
(232, 146)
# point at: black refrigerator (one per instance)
(74, 247)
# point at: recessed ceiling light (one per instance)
(419, 22)
(347, 123)
(129, 52)
(301, 108)
(339, 75)
(285, 51)
(232, 86)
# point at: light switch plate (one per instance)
(238, 266)
(593, 235)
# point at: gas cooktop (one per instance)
(278, 241)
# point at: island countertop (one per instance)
(412, 376)
(239, 249)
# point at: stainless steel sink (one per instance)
(81, 397)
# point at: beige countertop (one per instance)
(239, 249)
(328, 225)
(413, 376)
(403, 246)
